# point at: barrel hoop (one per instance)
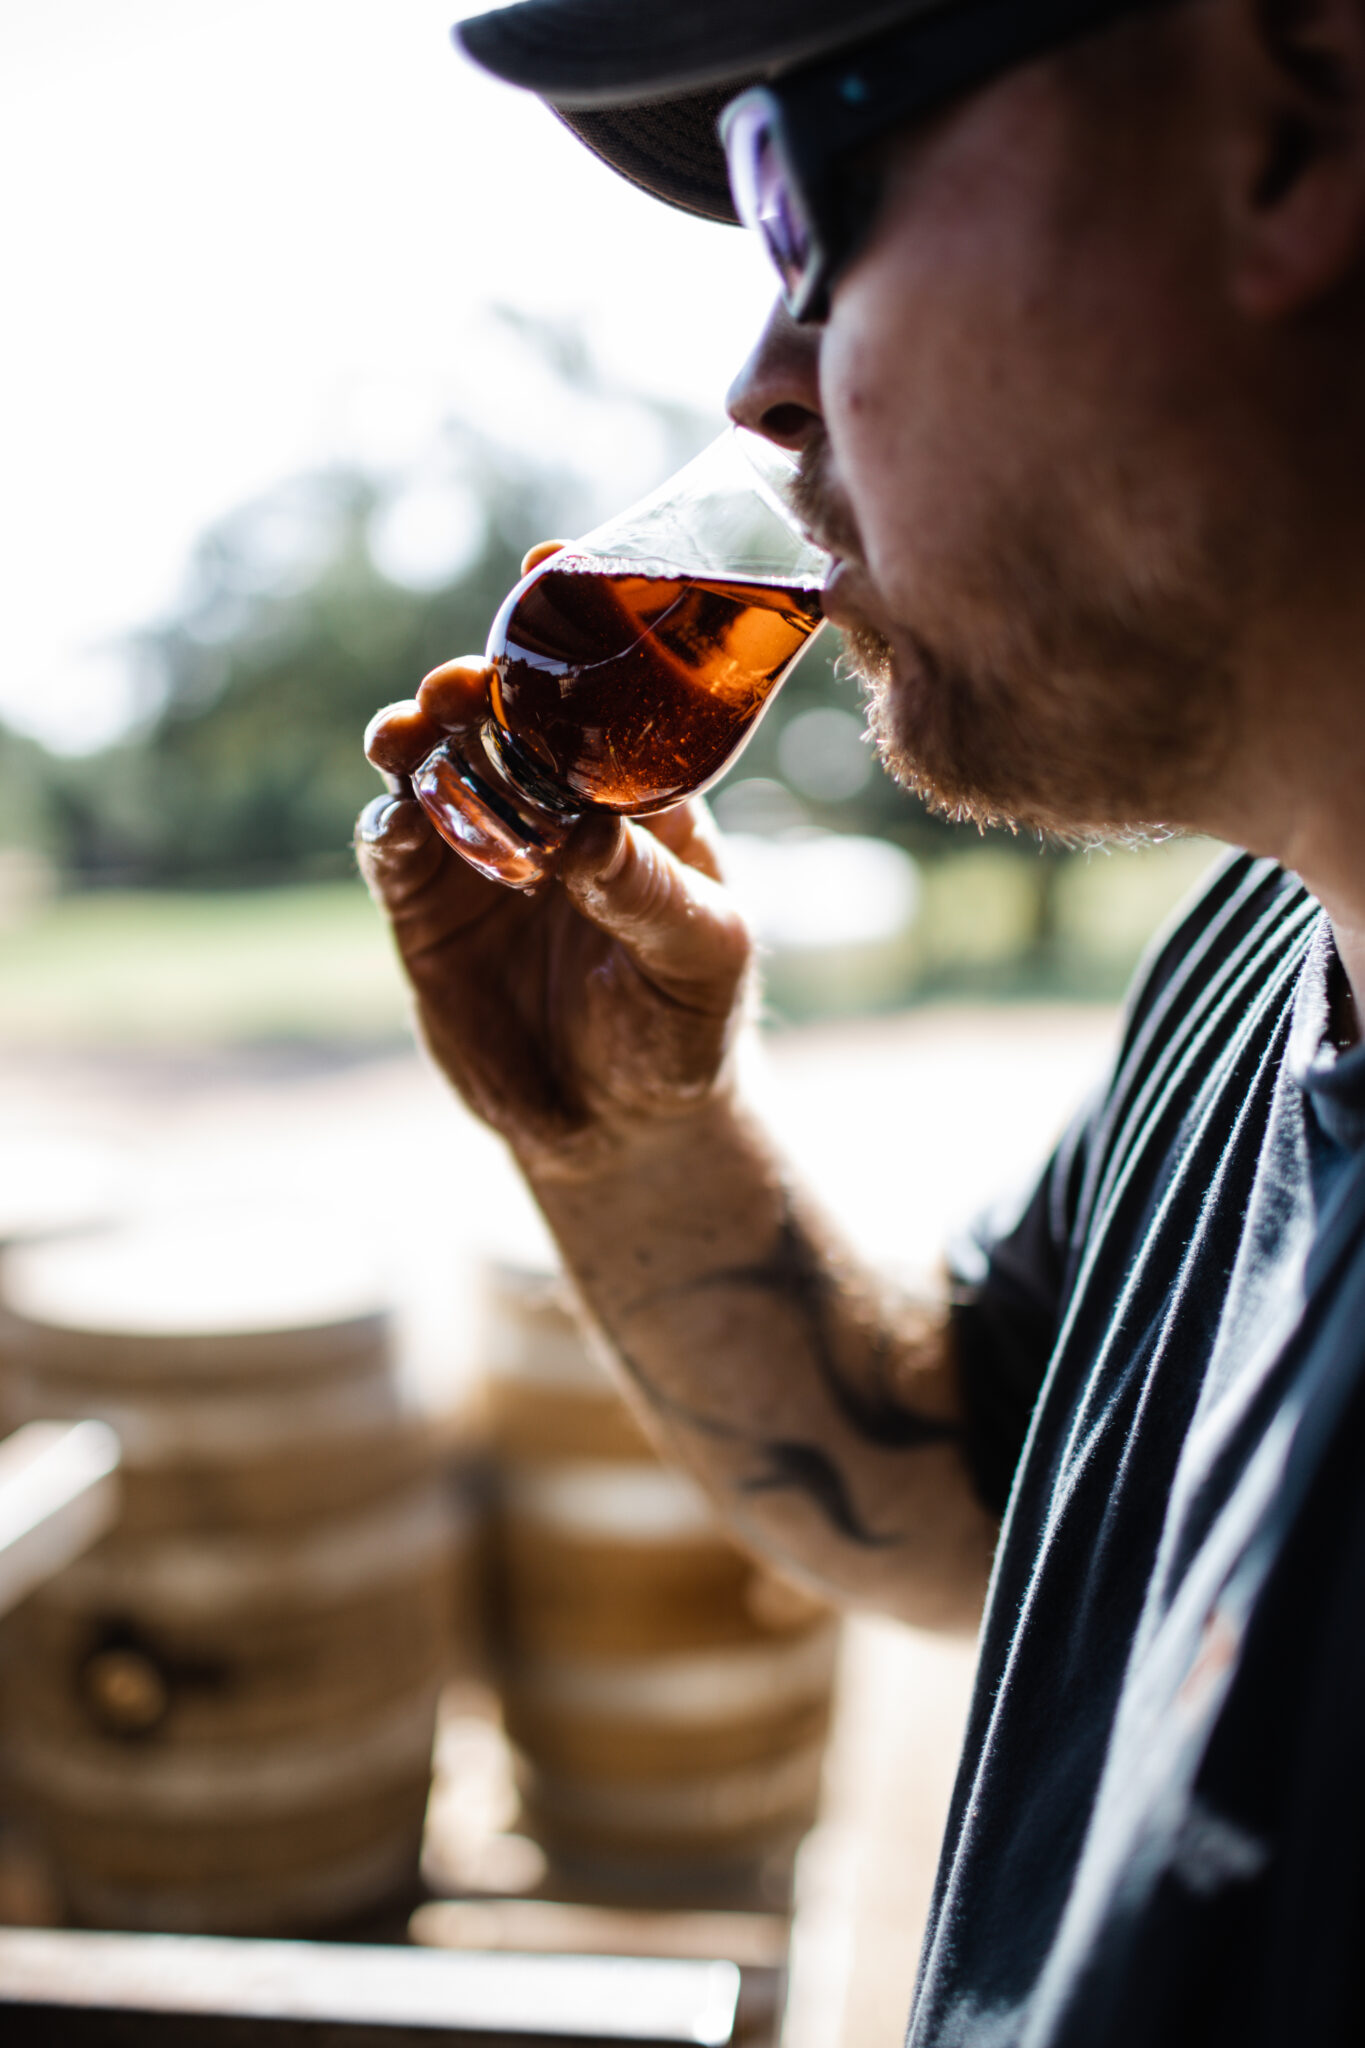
(324, 1349)
(733, 1800)
(161, 1428)
(713, 1688)
(637, 1503)
(270, 1778)
(201, 1576)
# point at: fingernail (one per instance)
(374, 819)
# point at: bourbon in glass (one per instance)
(618, 685)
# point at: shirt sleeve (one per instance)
(1008, 1277)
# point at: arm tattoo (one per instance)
(806, 1469)
(786, 1466)
(794, 1272)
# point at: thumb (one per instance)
(681, 929)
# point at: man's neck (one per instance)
(1303, 785)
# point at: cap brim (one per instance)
(643, 86)
(612, 53)
(669, 148)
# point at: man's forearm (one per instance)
(820, 1412)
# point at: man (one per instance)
(1071, 351)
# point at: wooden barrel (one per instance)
(51, 1184)
(222, 1717)
(669, 1698)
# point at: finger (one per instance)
(399, 738)
(456, 694)
(541, 552)
(672, 828)
(396, 849)
(392, 826)
(426, 890)
(690, 833)
(401, 858)
(682, 931)
(707, 849)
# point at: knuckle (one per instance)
(734, 942)
(397, 737)
(381, 733)
(453, 694)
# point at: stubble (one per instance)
(1052, 692)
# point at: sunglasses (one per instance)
(798, 150)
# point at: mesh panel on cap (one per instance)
(667, 147)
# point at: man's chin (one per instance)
(939, 742)
(1008, 779)
(869, 658)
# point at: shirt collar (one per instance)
(1332, 1080)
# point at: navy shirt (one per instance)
(1158, 1830)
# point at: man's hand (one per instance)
(590, 1020)
(576, 1014)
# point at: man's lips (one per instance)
(836, 584)
(848, 599)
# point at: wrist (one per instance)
(632, 1147)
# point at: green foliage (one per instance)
(29, 814)
(249, 765)
(246, 765)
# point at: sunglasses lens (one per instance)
(764, 197)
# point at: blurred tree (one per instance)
(247, 763)
(29, 814)
(302, 613)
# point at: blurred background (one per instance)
(311, 333)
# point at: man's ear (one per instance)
(1294, 91)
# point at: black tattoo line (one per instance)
(803, 1468)
(675, 1410)
(794, 1271)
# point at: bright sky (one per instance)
(244, 237)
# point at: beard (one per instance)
(1058, 696)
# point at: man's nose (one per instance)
(777, 393)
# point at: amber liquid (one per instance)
(631, 691)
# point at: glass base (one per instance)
(488, 821)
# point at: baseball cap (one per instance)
(642, 82)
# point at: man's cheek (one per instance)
(873, 397)
(858, 396)
(863, 446)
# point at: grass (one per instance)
(151, 967)
(313, 964)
